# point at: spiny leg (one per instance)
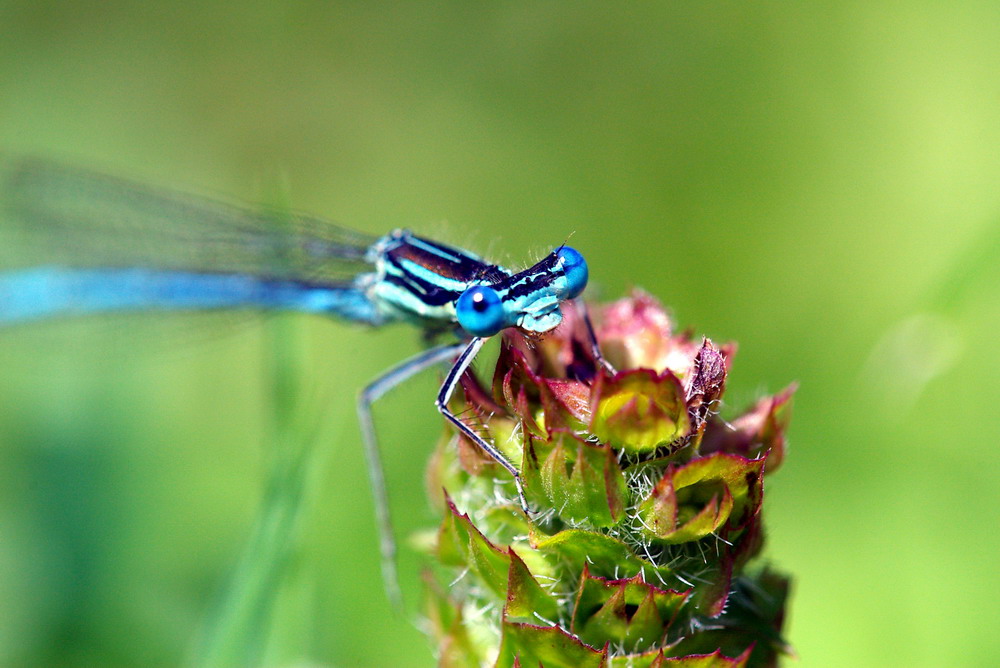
(592, 337)
(444, 396)
(369, 395)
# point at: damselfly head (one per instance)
(529, 300)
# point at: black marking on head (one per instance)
(530, 280)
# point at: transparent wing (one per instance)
(51, 214)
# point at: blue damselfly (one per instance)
(75, 243)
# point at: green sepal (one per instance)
(638, 410)
(627, 613)
(650, 659)
(505, 523)
(461, 544)
(607, 556)
(696, 499)
(714, 660)
(753, 618)
(548, 646)
(583, 482)
(657, 659)
(526, 599)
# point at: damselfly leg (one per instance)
(444, 396)
(595, 349)
(376, 473)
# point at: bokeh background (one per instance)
(817, 181)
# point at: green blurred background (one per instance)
(817, 181)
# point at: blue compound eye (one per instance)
(574, 267)
(480, 311)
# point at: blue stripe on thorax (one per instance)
(448, 254)
(420, 279)
(431, 278)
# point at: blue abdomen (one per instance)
(43, 292)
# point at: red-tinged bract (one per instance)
(642, 548)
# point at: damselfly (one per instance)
(74, 243)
